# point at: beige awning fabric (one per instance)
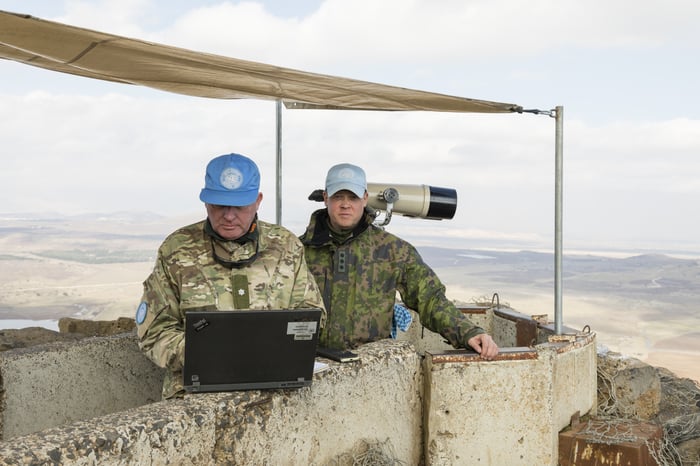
(83, 52)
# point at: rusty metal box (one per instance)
(613, 442)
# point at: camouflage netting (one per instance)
(616, 431)
(677, 412)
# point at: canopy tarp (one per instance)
(83, 52)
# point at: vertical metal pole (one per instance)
(558, 211)
(278, 167)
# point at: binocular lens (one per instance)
(443, 203)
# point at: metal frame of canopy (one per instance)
(93, 54)
(558, 114)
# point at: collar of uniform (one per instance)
(323, 233)
(252, 235)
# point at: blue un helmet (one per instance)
(231, 180)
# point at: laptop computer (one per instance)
(250, 349)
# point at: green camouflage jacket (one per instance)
(359, 280)
(187, 277)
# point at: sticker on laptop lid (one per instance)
(301, 330)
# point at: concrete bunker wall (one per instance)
(378, 398)
(58, 383)
(420, 401)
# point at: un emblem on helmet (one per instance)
(231, 178)
(346, 174)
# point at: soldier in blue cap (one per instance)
(231, 260)
(359, 267)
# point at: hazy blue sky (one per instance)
(625, 72)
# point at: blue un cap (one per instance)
(346, 176)
(231, 180)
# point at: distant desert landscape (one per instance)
(92, 267)
(643, 307)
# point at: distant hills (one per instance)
(646, 275)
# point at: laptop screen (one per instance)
(250, 349)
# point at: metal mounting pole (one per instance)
(558, 210)
(278, 167)
(558, 114)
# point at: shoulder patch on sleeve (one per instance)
(141, 313)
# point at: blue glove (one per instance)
(402, 319)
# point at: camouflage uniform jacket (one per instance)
(359, 277)
(186, 277)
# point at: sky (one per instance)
(624, 72)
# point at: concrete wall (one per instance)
(54, 384)
(507, 411)
(574, 378)
(376, 399)
(503, 330)
(446, 407)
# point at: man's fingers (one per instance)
(484, 345)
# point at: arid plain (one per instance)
(644, 306)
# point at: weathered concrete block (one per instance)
(375, 399)
(96, 327)
(166, 432)
(424, 340)
(12, 338)
(459, 429)
(378, 398)
(49, 385)
(521, 399)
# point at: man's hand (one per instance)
(484, 345)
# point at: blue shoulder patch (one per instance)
(141, 312)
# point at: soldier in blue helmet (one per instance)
(230, 260)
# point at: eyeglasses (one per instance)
(237, 264)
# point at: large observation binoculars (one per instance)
(409, 200)
(412, 200)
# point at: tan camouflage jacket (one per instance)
(186, 277)
(359, 279)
